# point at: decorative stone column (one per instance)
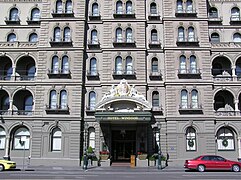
(233, 73)
(14, 73)
(237, 111)
(6, 156)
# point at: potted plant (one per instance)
(141, 155)
(152, 160)
(104, 155)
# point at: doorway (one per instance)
(123, 145)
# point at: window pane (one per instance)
(28, 104)
(57, 36)
(33, 37)
(35, 16)
(153, 35)
(67, 34)
(65, 65)
(12, 37)
(68, 7)
(183, 64)
(95, 9)
(191, 34)
(153, 8)
(59, 7)
(194, 99)
(129, 35)
(155, 99)
(14, 14)
(129, 66)
(193, 64)
(94, 38)
(21, 133)
(118, 65)
(189, 6)
(129, 7)
(191, 139)
(53, 100)
(179, 6)
(55, 65)
(93, 67)
(180, 34)
(63, 99)
(184, 99)
(92, 100)
(119, 35)
(236, 37)
(119, 8)
(154, 65)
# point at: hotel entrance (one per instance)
(123, 145)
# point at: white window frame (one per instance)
(56, 140)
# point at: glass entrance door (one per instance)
(123, 145)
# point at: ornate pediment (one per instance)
(123, 92)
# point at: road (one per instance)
(117, 174)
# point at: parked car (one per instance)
(212, 162)
(6, 164)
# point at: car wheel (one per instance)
(201, 168)
(1, 167)
(236, 168)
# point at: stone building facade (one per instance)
(122, 76)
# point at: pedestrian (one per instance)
(167, 159)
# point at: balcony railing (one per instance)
(63, 13)
(93, 43)
(155, 75)
(33, 21)
(59, 73)
(235, 19)
(4, 112)
(121, 42)
(15, 21)
(214, 19)
(24, 77)
(90, 110)
(93, 75)
(195, 108)
(94, 16)
(154, 15)
(189, 73)
(61, 42)
(124, 14)
(222, 74)
(227, 113)
(155, 43)
(157, 109)
(188, 12)
(57, 109)
(22, 112)
(189, 41)
(128, 74)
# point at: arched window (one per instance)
(179, 6)
(95, 9)
(53, 100)
(92, 100)
(154, 35)
(118, 65)
(35, 14)
(235, 14)
(129, 7)
(194, 99)
(68, 6)
(119, 7)
(12, 37)
(129, 37)
(59, 6)
(31, 71)
(63, 99)
(56, 139)
(8, 71)
(93, 66)
(184, 99)
(215, 38)
(153, 8)
(21, 138)
(94, 37)
(57, 35)
(189, 6)
(183, 68)
(33, 37)
(213, 12)
(13, 16)
(129, 65)
(4, 103)
(119, 35)
(28, 104)
(92, 137)
(55, 65)
(2, 138)
(191, 139)
(193, 64)
(155, 99)
(237, 37)
(225, 139)
(67, 37)
(65, 65)
(181, 35)
(191, 34)
(154, 65)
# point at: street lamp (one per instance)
(85, 163)
(159, 166)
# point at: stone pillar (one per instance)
(10, 106)
(237, 111)
(233, 73)
(6, 156)
(239, 148)
(14, 72)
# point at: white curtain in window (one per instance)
(56, 140)
(129, 7)
(129, 65)
(33, 37)
(67, 34)
(53, 100)
(119, 35)
(21, 135)
(65, 65)
(63, 99)
(57, 35)
(68, 6)
(129, 35)
(181, 34)
(235, 14)
(191, 34)
(193, 64)
(55, 65)
(184, 99)
(118, 65)
(94, 37)
(2, 138)
(92, 137)
(119, 7)
(179, 6)
(35, 15)
(236, 37)
(95, 9)
(59, 7)
(194, 99)
(12, 37)
(93, 66)
(183, 68)
(92, 100)
(189, 6)
(225, 134)
(14, 14)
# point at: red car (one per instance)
(212, 162)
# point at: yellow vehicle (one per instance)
(5, 165)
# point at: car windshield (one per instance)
(197, 158)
